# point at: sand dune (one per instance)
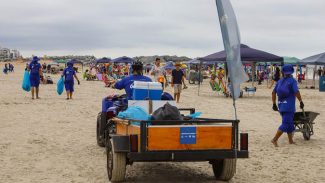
(53, 140)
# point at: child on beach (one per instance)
(287, 91)
(69, 74)
(177, 80)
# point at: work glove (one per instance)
(275, 107)
(78, 82)
(302, 105)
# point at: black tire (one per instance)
(306, 132)
(116, 164)
(224, 169)
(101, 120)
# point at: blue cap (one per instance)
(287, 69)
(70, 64)
(35, 59)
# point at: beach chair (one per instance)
(249, 90)
(219, 89)
(100, 76)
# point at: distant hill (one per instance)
(145, 59)
(163, 58)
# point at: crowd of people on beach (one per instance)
(122, 76)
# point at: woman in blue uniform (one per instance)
(35, 75)
(69, 74)
(287, 91)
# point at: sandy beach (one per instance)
(54, 140)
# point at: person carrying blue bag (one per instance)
(35, 70)
(287, 91)
(69, 74)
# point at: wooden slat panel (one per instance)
(123, 129)
(168, 138)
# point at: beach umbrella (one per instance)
(247, 54)
(318, 59)
(169, 66)
(54, 63)
(74, 61)
(198, 61)
(194, 61)
(61, 61)
(103, 60)
(123, 59)
(290, 60)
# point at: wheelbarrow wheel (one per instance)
(101, 119)
(306, 132)
(224, 169)
(116, 163)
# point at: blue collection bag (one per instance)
(60, 86)
(135, 113)
(26, 82)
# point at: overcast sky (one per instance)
(157, 27)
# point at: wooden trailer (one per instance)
(213, 140)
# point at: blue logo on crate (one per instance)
(188, 135)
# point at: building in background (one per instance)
(6, 54)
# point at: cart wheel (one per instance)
(224, 169)
(116, 164)
(101, 119)
(306, 132)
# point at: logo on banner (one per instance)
(188, 135)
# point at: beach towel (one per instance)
(60, 86)
(26, 82)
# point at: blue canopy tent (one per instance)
(315, 60)
(318, 59)
(123, 59)
(248, 56)
(103, 60)
(75, 61)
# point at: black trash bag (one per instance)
(167, 112)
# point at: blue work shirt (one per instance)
(34, 68)
(68, 73)
(286, 89)
(128, 81)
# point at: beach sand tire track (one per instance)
(224, 169)
(116, 164)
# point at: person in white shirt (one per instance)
(158, 73)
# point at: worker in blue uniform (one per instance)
(69, 74)
(137, 75)
(287, 91)
(35, 76)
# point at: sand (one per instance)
(53, 140)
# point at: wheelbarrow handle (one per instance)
(303, 112)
